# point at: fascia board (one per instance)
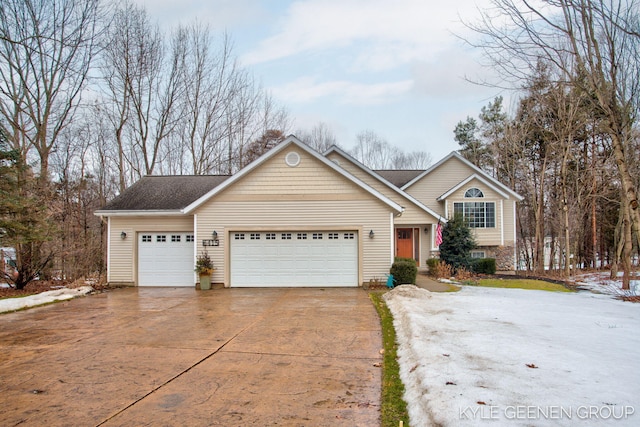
(466, 181)
(173, 212)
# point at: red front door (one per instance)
(404, 242)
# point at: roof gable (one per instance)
(477, 172)
(382, 180)
(288, 143)
(468, 180)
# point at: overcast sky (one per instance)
(391, 66)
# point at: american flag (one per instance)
(439, 234)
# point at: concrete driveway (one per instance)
(169, 356)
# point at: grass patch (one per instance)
(451, 287)
(539, 285)
(393, 408)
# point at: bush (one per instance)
(443, 270)
(432, 263)
(484, 266)
(404, 272)
(463, 275)
(411, 260)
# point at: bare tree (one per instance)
(46, 49)
(320, 137)
(270, 123)
(211, 81)
(143, 90)
(372, 150)
(376, 153)
(596, 44)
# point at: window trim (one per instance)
(487, 217)
(473, 193)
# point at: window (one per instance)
(238, 236)
(349, 236)
(146, 238)
(473, 192)
(190, 238)
(302, 236)
(333, 236)
(317, 236)
(161, 238)
(175, 238)
(477, 254)
(404, 234)
(255, 236)
(286, 236)
(477, 214)
(270, 236)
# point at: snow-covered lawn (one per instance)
(12, 304)
(486, 356)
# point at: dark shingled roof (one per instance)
(399, 177)
(164, 192)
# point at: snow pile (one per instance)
(12, 304)
(517, 357)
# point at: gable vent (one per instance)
(292, 159)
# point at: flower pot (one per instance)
(205, 282)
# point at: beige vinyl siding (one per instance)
(509, 207)
(361, 216)
(412, 214)
(310, 180)
(123, 254)
(438, 182)
(311, 196)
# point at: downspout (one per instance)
(195, 247)
(108, 248)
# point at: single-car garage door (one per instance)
(165, 259)
(294, 258)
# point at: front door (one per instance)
(404, 242)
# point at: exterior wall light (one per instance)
(214, 235)
(371, 234)
(426, 230)
(123, 235)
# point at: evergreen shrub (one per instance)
(484, 266)
(404, 272)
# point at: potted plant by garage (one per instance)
(204, 268)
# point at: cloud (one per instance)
(395, 32)
(451, 74)
(307, 90)
(220, 14)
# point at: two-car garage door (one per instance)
(294, 258)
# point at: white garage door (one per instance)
(165, 259)
(297, 258)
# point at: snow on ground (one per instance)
(599, 281)
(487, 356)
(12, 304)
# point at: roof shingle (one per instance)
(399, 177)
(164, 192)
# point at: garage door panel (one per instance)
(297, 258)
(165, 259)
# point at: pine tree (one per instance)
(457, 243)
(23, 217)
